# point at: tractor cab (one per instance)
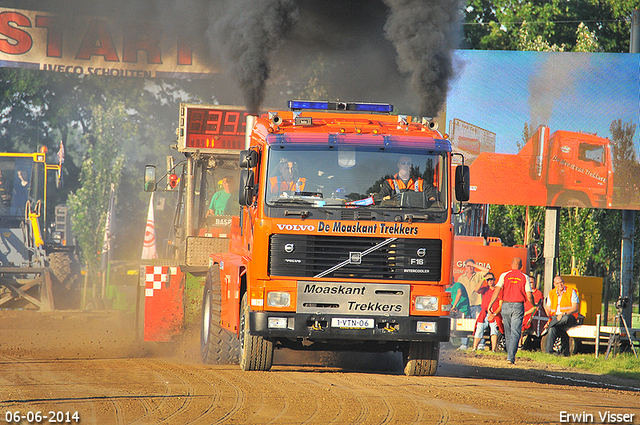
(34, 267)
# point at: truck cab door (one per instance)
(591, 173)
(578, 166)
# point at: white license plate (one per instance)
(352, 323)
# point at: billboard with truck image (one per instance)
(548, 128)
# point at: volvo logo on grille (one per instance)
(355, 257)
(289, 248)
(421, 252)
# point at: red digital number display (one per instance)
(212, 122)
(215, 128)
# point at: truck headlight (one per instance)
(428, 327)
(278, 299)
(426, 303)
(277, 322)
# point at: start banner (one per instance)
(97, 46)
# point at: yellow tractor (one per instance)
(39, 269)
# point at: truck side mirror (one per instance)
(248, 159)
(247, 188)
(462, 183)
(150, 178)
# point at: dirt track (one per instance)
(90, 364)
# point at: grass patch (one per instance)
(624, 365)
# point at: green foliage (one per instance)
(42, 108)
(624, 365)
(101, 167)
(514, 225)
(578, 237)
(627, 170)
(548, 25)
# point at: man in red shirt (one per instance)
(516, 289)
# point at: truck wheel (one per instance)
(256, 352)
(557, 345)
(65, 279)
(217, 345)
(574, 199)
(421, 358)
(573, 202)
(501, 346)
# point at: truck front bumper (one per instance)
(322, 327)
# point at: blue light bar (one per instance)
(303, 104)
(341, 106)
(372, 107)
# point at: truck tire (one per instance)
(65, 279)
(574, 202)
(217, 345)
(256, 352)
(573, 199)
(557, 346)
(421, 358)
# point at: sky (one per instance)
(501, 90)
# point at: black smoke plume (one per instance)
(247, 33)
(425, 33)
(367, 48)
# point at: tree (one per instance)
(497, 24)
(101, 167)
(624, 161)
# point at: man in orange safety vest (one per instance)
(562, 306)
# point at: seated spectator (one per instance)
(459, 306)
(529, 309)
(562, 306)
(489, 314)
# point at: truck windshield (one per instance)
(357, 177)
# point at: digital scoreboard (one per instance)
(207, 128)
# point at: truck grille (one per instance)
(310, 255)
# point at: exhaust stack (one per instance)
(251, 119)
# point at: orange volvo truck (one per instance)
(557, 169)
(320, 259)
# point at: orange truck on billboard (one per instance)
(319, 256)
(559, 169)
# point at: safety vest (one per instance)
(565, 301)
(399, 186)
(281, 186)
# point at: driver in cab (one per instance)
(287, 180)
(403, 182)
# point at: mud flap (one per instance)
(163, 303)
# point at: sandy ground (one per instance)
(65, 362)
